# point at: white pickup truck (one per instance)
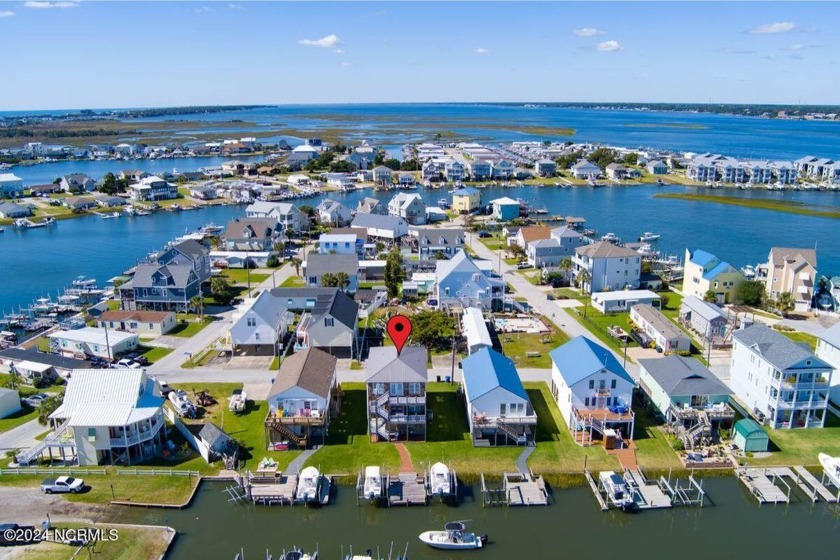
(62, 484)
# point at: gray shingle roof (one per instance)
(338, 305)
(311, 369)
(776, 348)
(33, 355)
(301, 292)
(178, 275)
(683, 377)
(385, 366)
(215, 436)
(318, 264)
(377, 221)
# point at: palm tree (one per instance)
(197, 305)
(342, 280)
(47, 407)
(582, 278)
(566, 267)
(784, 303)
(296, 263)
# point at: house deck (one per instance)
(525, 489)
(407, 489)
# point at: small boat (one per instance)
(307, 488)
(611, 237)
(616, 489)
(443, 203)
(647, 237)
(238, 401)
(2, 229)
(298, 554)
(831, 467)
(748, 272)
(372, 489)
(453, 537)
(440, 481)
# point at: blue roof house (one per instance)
(593, 392)
(498, 407)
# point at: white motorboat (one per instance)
(611, 237)
(440, 481)
(831, 467)
(307, 488)
(748, 271)
(373, 483)
(298, 554)
(238, 401)
(453, 537)
(647, 237)
(616, 489)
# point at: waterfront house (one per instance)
(149, 323)
(828, 349)
(480, 169)
(331, 324)
(370, 205)
(406, 180)
(107, 201)
(111, 416)
(545, 168)
(685, 391)
(340, 244)
(318, 264)
(454, 170)
(505, 209)
(704, 318)
(430, 242)
(758, 172)
(585, 169)
(251, 234)
(432, 170)
(593, 392)
(382, 175)
(92, 342)
(780, 382)
(11, 186)
(79, 203)
(784, 171)
(475, 331)
(10, 210)
(608, 266)
(527, 235)
(133, 175)
(702, 168)
(460, 283)
(396, 393)
(818, 169)
(300, 155)
(48, 188)
(334, 213)
(661, 330)
(790, 270)
(362, 157)
(705, 273)
(288, 216)
(466, 200)
(409, 206)
(550, 252)
(77, 183)
(9, 402)
(616, 171)
(750, 437)
(729, 170)
(620, 301)
(389, 228)
(33, 365)
(153, 188)
(503, 169)
(498, 408)
(656, 167)
(259, 325)
(300, 400)
(203, 193)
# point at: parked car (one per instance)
(128, 363)
(549, 297)
(523, 265)
(142, 360)
(165, 389)
(35, 400)
(62, 485)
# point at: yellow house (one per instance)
(466, 200)
(704, 272)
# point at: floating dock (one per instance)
(773, 485)
(518, 489)
(271, 490)
(664, 493)
(407, 489)
(819, 488)
(646, 495)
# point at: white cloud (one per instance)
(796, 47)
(6, 13)
(236, 6)
(481, 50)
(773, 28)
(587, 32)
(50, 5)
(345, 65)
(202, 10)
(608, 46)
(339, 51)
(331, 41)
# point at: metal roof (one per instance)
(831, 335)
(384, 365)
(475, 329)
(486, 370)
(706, 310)
(108, 397)
(581, 357)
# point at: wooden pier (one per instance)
(646, 495)
(270, 491)
(820, 490)
(664, 493)
(596, 490)
(762, 484)
(407, 489)
(518, 489)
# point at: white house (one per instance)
(340, 244)
(503, 169)
(259, 325)
(454, 170)
(498, 407)
(333, 213)
(111, 416)
(551, 252)
(475, 330)
(92, 341)
(545, 168)
(781, 383)
(409, 206)
(661, 330)
(153, 188)
(382, 175)
(461, 283)
(149, 323)
(585, 170)
(300, 399)
(11, 185)
(593, 392)
(828, 349)
(382, 227)
(288, 216)
(608, 266)
(620, 301)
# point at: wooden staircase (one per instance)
(288, 434)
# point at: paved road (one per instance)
(22, 436)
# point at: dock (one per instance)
(518, 489)
(762, 484)
(663, 493)
(646, 495)
(819, 489)
(407, 489)
(270, 491)
(595, 490)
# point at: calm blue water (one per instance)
(38, 262)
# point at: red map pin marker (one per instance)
(399, 329)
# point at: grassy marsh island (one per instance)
(788, 206)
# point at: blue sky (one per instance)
(61, 54)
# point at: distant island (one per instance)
(768, 111)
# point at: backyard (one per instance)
(800, 447)
(518, 346)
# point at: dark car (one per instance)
(142, 360)
(484, 234)
(549, 297)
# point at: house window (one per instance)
(591, 383)
(502, 410)
(91, 434)
(586, 401)
(329, 322)
(251, 321)
(313, 279)
(415, 389)
(397, 389)
(612, 384)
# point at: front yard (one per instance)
(518, 346)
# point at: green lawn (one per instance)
(597, 323)
(653, 451)
(247, 428)
(187, 329)
(134, 542)
(517, 345)
(801, 446)
(293, 282)
(156, 353)
(797, 336)
(26, 413)
(240, 276)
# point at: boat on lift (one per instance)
(831, 467)
(440, 480)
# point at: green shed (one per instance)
(750, 436)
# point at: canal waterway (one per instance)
(733, 526)
(40, 261)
